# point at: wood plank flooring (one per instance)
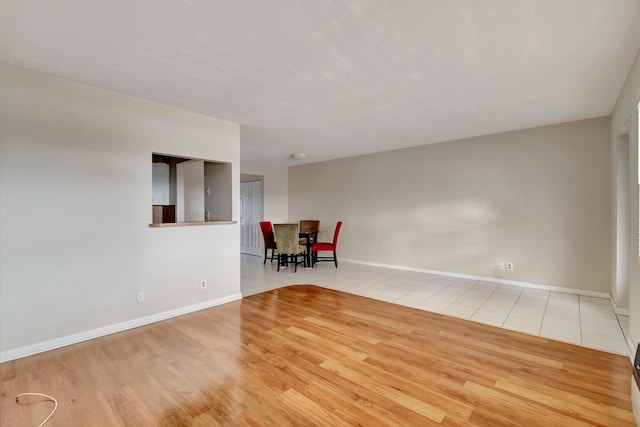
(309, 356)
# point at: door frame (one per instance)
(622, 217)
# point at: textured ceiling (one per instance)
(339, 78)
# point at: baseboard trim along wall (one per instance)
(41, 347)
(632, 354)
(487, 279)
(619, 310)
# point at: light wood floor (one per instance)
(306, 356)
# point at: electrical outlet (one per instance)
(140, 296)
(203, 284)
(510, 266)
(501, 265)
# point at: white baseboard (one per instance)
(488, 279)
(31, 349)
(619, 310)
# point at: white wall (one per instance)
(75, 205)
(275, 191)
(536, 197)
(625, 114)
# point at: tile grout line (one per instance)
(486, 299)
(546, 305)
(483, 302)
(580, 319)
(511, 310)
(459, 296)
(448, 305)
(620, 325)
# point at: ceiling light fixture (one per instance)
(298, 156)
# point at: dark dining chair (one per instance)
(269, 241)
(289, 248)
(312, 227)
(309, 229)
(327, 246)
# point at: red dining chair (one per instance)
(269, 242)
(327, 246)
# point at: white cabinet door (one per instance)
(160, 183)
(190, 191)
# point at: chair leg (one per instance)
(335, 259)
(278, 262)
(272, 252)
(265, 256)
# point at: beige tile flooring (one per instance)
(582, 320)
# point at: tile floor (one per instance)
(582, 320)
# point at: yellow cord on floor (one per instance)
(47, 397)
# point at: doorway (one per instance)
(622, 231)
(250, 216)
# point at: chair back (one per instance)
(287, 238)
(335, 234)
(267, 234)
(310, 226)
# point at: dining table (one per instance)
(306, 235)
(309, 241)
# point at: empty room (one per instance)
(319, 213)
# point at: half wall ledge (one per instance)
(190, 223)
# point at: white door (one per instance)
(250, 216)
